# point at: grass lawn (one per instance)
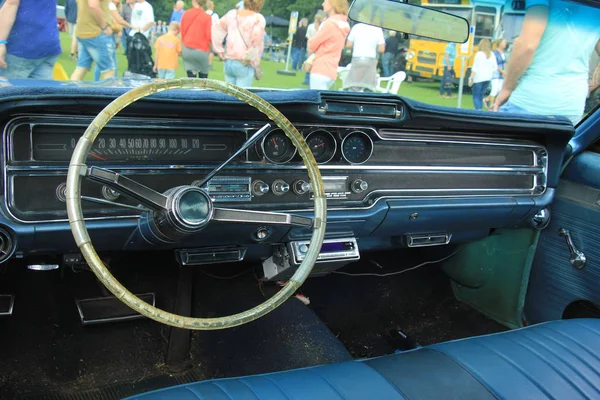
(427, 92)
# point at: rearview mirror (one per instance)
(411, 19)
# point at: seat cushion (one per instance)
(559, 359)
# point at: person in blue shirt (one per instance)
(177, 12)
(29, 42)
(448, 63)
(547, 73)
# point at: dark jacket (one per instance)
(71, 11)
(299, 40)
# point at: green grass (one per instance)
(427, 92)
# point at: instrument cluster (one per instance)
(354, 147)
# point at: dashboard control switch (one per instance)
(280, 187)
(301, 187)
(303, 248)
(262, 233)
(259, 188)
(359, 186)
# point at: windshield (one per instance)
(312, 44)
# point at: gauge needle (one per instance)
(274, 143)
(319, 145)
(97, 156)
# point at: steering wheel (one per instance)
(186, 210)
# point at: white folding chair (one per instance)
(390, 84)
(343, 74)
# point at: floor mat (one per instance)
(47, 354)
(364, 311)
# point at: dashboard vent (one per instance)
(7, 245)
(361, 109)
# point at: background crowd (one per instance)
(30, 46)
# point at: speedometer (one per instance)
(277, 147)
(357, 147)
(322, 144)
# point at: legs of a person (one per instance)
(44, 69)
(448, 75)
(229, 77)
(386, 62)
(18, 67)
(166, 74)
(320, 82)
(443, 82)
(202, 76)
(114, 56)
(296, 59)
(72, 28)
(306, 79)
(100, 50)
(477, 90)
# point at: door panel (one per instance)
(554, 283)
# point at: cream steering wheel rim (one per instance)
(78, 170)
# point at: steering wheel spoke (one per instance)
(148, 197)
(251, 141)
(261, 217)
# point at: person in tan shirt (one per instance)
(94, 37)
(168, 49)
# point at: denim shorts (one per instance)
(100, 50)
(166, 73)
(34, 68)
(238, 73)
(508, 107)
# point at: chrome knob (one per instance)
(359, 186)
(280, 187)
(259, 188)
(110, 194)
(301, 187)
(262, 233)
(541, 219)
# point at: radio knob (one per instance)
(359, 186)
(303, 248)
(280, 187)
(259, 188)
(301, 187)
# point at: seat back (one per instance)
(396, 80)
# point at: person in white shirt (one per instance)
(366, 42)
(210, 10)
(482, 72)
(142, 16)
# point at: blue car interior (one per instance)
(461, 255)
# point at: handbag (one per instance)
(258, 72)
(307, 65)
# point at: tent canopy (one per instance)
(277, 21)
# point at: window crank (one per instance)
(577, 259)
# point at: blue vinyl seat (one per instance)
(554, 360)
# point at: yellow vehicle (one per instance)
(490, 20)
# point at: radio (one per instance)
(331, 250)
(229, 188)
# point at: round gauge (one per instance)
(277, 147)
(357, 147)
(322, 144)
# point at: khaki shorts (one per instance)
(71, 28)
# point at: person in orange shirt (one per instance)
(328, 44)
(168, 49)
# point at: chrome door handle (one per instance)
(577, 259)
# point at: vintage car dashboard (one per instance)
(395, 173)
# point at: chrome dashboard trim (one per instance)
(386, 194)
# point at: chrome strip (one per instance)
(433, 137)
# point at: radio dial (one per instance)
(359, 186)
(280, 187)
(259, 188)
(301, 187)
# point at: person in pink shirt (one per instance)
(328, 44)
(245, 31)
